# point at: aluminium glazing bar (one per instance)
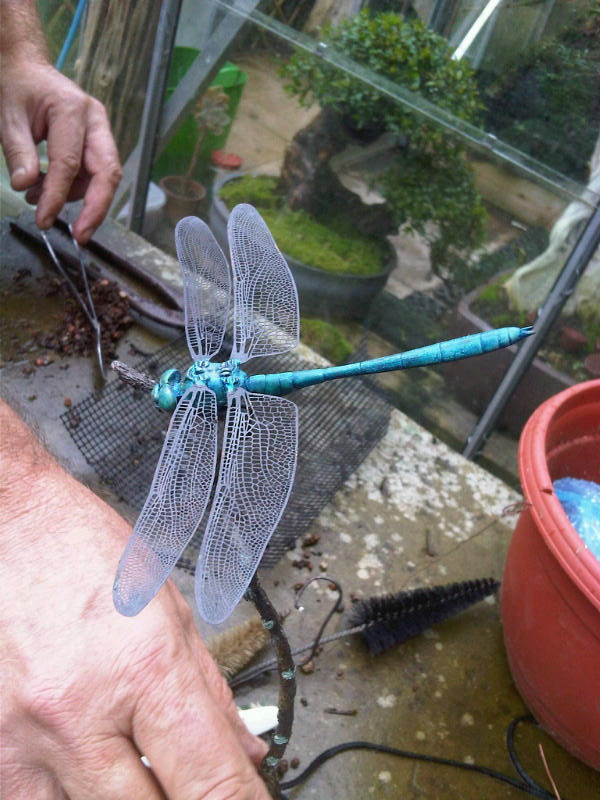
(562, 289)
(198, 76)
(157, 84)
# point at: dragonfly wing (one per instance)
(175, 504)
(255, 479)
(206, 287)
(266, 320)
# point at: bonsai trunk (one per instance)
(308, 182)
(192, 167)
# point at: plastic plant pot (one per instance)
(330, 295)
(184, 196)
(550, 599)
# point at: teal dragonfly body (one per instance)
(228, 376)
(256, 468)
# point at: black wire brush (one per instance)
(390, 619)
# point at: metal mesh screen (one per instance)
(120, 435)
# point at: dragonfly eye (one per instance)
(167, 391)
(171, 377)
(164, 398)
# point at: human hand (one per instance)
(85, 690)
(38, 103)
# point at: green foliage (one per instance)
(325, 338)
(492, 293)
(332, 244)
(211, 116)
(406, 53)
(421, 189)
(211, 111)
(515, 253)
(428, 179)
(492, 305)
(548, 104)
(589, 316)
(492, 301)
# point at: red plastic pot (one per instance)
(550, 600)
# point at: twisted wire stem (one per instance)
(131, 376)
(287, 685)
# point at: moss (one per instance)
(589, 315)
(332, 245)
(259, 191)
(325, 339)
(491, 294)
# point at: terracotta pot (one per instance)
(184, 196)
(550, 600)
(321, 293)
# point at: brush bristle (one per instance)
(391, 619)
(234, 648)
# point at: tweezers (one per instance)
(111, 265)
(87, 302)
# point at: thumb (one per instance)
(20, 153)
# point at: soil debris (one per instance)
(75, 334)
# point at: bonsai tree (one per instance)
(211, 116)
(183, 192)
(547, 104)
(426, 178)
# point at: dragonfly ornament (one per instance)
(260, 440)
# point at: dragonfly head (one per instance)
(167, 392)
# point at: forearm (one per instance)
(27, 496)
(23, 460)
(36, 494)
(21, 35)
(52, 527)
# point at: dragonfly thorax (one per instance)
(221, 378)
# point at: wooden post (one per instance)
(114, 63)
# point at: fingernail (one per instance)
(17, 174)
(46, 222)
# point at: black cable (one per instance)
(527, 785)
(510, 746)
